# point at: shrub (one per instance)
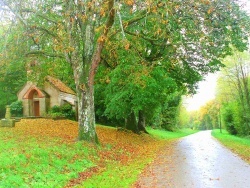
(64, 111)
(228, 117)
(16, 108)
(55, 109)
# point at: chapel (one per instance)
(37, 100)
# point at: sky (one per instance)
(245, 5)
(205, 93)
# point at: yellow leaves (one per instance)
(98, 29)
(84, 18)
(206, 2)
(101, 39)
(127, 45)
(210, 10)
(69, 49)
(129, 2)
(158, 31)
(107, 81)
(102, 12)
(36, 40)
(165, 22)
(160, 4)
(154, 9)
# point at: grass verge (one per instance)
(238, 145)
(162, 134)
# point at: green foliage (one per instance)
(207, 117)
(233, 93)
(55, 109)
(133, 88)
(183, 118)
(16, 108)
(170, 111)
(229, 118)
(64, 111)
(12, 65)
(235, 121)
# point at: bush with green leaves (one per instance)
(16, 108)
(229, 119)
(64, 111)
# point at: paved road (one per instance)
(197, 161)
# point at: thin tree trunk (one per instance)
(142, 122)
(131, 123)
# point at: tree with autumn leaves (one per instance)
(186, 39)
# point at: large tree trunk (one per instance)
(85, 60)
(86, 114)
(142, 122)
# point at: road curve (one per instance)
(197, 161)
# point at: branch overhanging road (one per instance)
(196, 161)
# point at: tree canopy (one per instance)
(186, 39)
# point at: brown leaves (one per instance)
(210, 10)
(127, 46)
(82, 176)
(117, 145)
(64, 129)
(101, 39)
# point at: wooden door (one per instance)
(36, 108)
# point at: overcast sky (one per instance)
(205, 93)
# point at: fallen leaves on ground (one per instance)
(121, 147)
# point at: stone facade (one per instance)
(37, 100)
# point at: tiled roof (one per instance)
(60, 85)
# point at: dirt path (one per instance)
(197, 161)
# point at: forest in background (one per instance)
(230, 109)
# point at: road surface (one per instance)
(197, 161)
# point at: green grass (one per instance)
(239, 145)
(116, 175)
(162, 134)
(32, 162)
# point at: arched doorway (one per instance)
(35, 96)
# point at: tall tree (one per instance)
(193, 35)
(234, 88)
(12, 66)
